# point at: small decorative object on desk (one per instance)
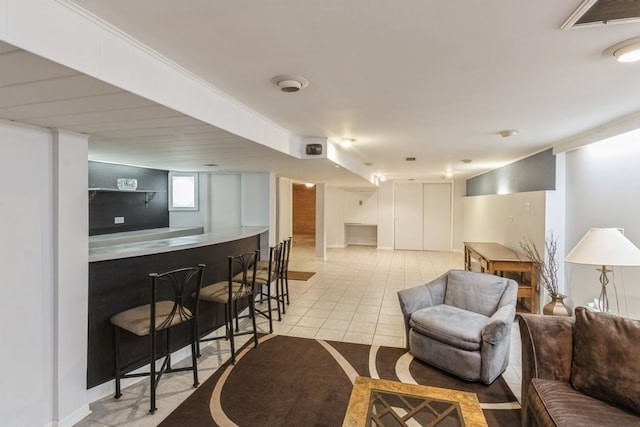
(127, 183)
(547, 270)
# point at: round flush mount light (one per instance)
(626, 51)
(507, 133)
(290, 83)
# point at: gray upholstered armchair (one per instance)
(461, 323)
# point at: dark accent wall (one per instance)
(104, 206)
(534, 173)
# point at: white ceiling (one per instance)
(431, 80)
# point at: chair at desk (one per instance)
(232, 291)
(174, 301)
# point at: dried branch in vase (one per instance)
(547, 266)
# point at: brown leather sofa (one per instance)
(580, 371)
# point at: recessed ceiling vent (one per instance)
(603, 12)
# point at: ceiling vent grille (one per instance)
(603, 12)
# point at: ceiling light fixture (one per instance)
(347, 142)
(507, 133)
(309, 185)
(290, 83)
(448, 174)
(626, 51)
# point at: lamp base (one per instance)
(603, 300)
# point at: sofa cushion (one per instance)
(480, 293)
(450, 325)
(556, 403)
(605, 358)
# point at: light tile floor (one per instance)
(352, 298)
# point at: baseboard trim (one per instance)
(73, 418)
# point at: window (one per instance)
(183, 191)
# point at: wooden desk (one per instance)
(494, 258)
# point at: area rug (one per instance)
(290, 381)
(300, 275)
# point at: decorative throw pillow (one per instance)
(606, 358)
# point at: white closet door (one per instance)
(408, 216)
(437, 217)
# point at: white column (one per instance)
(70, 297)
(321, 230)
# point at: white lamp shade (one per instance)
(604, 246)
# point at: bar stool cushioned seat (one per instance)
(240, 285)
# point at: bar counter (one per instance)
(119, 280)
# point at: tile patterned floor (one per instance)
(352, 298)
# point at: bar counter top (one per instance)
(149, 247)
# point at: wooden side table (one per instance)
(494, 258)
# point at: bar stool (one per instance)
(265, 278)
(230, 292)
(174, 301)
(284, 273)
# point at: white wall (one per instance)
(334, 217)
(285, 208)
(385, 216)
(459, 191)
(603, 191)
(224, 202)
(71, 264)
(504, 218)
(26, 260)
(43, 200)
(254, 193)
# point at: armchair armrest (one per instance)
(499, 324)
(427, 295)
(547, 349)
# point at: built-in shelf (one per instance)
(361, 234)
(149, 194)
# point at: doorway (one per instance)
(304, 214)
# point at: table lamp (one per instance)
(604, 247)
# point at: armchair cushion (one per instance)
(480, 293)
(450, 325)
(605, 358)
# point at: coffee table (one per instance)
(377, 403)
